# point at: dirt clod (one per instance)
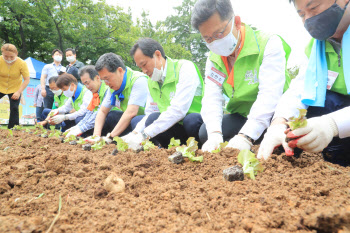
(234, 173)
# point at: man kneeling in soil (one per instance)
(128, 92)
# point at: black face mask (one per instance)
(325, 24)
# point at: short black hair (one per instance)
(56, 50)
(90, 69)
(110, 61)
(148, 46)
(204, 9)
(66, 80)
(70, 49)
(53, 79)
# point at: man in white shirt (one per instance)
(322, 87)
(247, 66)
(175, 90)
(51, 70)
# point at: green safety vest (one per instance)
(59, 100)
(131, 77)
(246, 71)
(333, 64)
(163, 96)
(78, 101)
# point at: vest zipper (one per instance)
(339, 58)
(160, 96)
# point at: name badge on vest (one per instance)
(332, 76)
(117, 103)
(154, 107)
(216, 76)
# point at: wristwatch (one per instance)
(247, 137)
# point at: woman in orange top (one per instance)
(12, 70)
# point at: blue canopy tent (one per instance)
(35, 67)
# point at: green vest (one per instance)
(333, 64)
(163, 96)
(78, 101)
(131, 77)
(246, 71)
(59, 101)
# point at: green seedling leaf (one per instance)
(70, 138)
(81, 141)
(147, 145)
(221, 146)
(251, 165)
(10, 133)
(98, 145)
(298, 122)
(121, 145)
(17, 127)
(40, 195)
(65, 133)
(58, 214)
(55, 133)
(174, 143)
(189, 150)
(51, 114)
(27, 130)
(39, 127)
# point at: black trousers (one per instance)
(49, 98)
(14, 112)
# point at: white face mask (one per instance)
(70, 59)
(57, 92)
(68, 93)
(225, 46)
(57, 58)
(10, 61)
(157, 74)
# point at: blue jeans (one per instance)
(39, 111)
(112, 120)
(338, 151)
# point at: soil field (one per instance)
(304, 194)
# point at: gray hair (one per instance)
(110, 61)
(204, 9)
(90, 69)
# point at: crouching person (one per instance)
(128, 92)
(175, 90)
(79, 97)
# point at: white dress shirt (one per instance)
(271, 83)
(187, 88)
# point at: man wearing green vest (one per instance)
(322, 87)
(247, 66)
(128, 92)
(91, 80)
(79, 98)
(59, 101)
(175, 90)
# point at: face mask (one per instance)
(225, 46)
(324, 25)
(70, 59)
(57, 92)
(68, 93)
(57, 58)
(157, 74)
(10, 61)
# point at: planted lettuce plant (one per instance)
(189, 150)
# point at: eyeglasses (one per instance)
(218, 35)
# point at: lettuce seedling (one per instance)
(81, 141)
(121, 145)
(98, 145)
(55, 133)
(298, 122)
(174, 143)
(221, 146)
(70, 138)
(18, 127)
(147, 145)
(189, 150)
(251, 165)
(10, 133)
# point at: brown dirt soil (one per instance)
(305, 194)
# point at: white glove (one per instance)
(53, 113)
(107, 139)
(92, 139)
(74, 131)
(239, 142)
(315, 136)
(58, 119)
(134, 140)
(213, 142)
(273, 138)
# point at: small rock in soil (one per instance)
(140, 174)
(233, 173)
(114, 152)
(44, 136)
(139, 150)
(114, 184)
(176, 158)
(62, 140)
(73, 143)
(87, 147)
(39, 135)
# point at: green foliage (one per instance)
(221, 146)
(147, 145)
(298, 122)
(251, 165)
(189, 150)
(81, 141)
(18, 127)
(55, 133)
(293, 72)
(121, 145)
(10, 133)
(70, 138)
(174, 143)
(98, 145)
